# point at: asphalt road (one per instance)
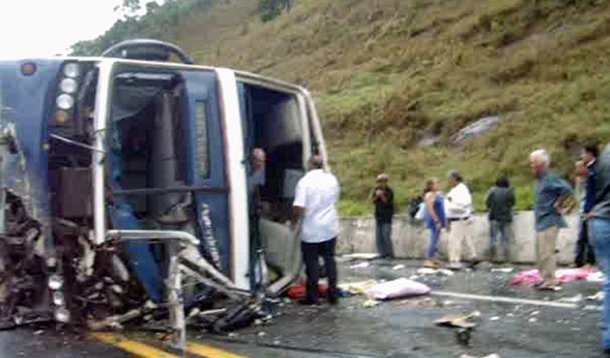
(399, 328)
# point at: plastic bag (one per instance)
(401, 287)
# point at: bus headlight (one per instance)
(65, 101)
(68, 85)
(71, 70)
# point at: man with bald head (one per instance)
(315, 202)
(550, 194)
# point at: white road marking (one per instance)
(510, 300)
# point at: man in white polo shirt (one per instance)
(458, 207)
(315, 199)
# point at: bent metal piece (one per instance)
(176, 254)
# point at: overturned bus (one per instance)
(125, 187)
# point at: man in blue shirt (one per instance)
(583, 245)
(599, 232)
(551, 192)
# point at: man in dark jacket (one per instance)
(500, 201)
(599, 232)
(584, 249)
(383, 197)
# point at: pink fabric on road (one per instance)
(563, 275)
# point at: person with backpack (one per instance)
(434, 217)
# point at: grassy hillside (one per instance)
(388, 73)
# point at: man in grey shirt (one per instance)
(599, 230)
(551, 192)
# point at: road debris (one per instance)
(357, 288)
(360, 265)
(596, 277)
(398, 288)
(494, 318)
(370, 303)
(599, 296)
(574, 299)
(398, 267)
(503, 269)
(361, 256)
(563, 275)
(459, 320)
(431, 271)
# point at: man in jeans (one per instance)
(584, 248)
(599, 232)
(383, 197)
(551, 192)
(316, 195)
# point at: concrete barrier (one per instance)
(410, 238)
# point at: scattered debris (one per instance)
(398, 267)
(463, 336)
(431, 271)
(360, 265)
(401, 287)
(494, 318)
(563, 275)
(599, 296)
(533, 319)
(574, 299)
(361, 256)
(357, 288)
(596, 277)
(503, 269)
(370, 303)
(460, 320)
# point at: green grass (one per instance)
(386, 73)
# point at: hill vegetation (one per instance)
(395, 80)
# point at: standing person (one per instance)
(256, 180)
(584, 250)
(383, 197)
(599, 230)
(434, 218)
(458, 205)
(315, 199)
(551, 192)
(500, 201)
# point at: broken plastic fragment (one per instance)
(55, 282)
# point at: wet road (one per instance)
(400, 328)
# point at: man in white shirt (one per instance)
(316, 196)
(458, 207)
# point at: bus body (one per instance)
(113, 167)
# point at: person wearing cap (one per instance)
(315, 202)
(383, 198)
(458, 207)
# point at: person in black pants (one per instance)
(315, 202)
(585, 254)
(383, 198)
